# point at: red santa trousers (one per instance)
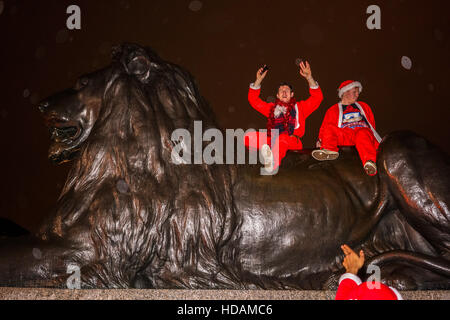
(282, 143)
(362, 138)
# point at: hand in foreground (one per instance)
(352, 262)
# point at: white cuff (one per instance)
(316, 86)
(252, 86)
(350, 276)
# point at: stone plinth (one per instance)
(150, 294)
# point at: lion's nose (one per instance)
(43, 106)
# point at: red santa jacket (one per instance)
(333, 117)
(351, 288)
(303, 108)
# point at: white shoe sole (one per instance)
(370, 168)
(266, 153)
(267, 156)
(322, 155)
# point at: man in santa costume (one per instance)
(352, 288)
(285, 118)
(349, 123)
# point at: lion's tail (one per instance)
(435, 264)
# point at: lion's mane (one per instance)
(134, 217)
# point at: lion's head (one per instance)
(124, 197)
(72, 114)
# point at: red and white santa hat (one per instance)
(347, 85)
(351, 288)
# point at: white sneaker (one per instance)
(370, 167)
(324, 154)
(267, 156)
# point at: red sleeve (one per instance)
(331, 118)
(313, 102)
(256, 102)
(347, 284)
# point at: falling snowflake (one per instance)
(37, 253)
(122, 186)
(125, 4)
(26, 93)
(311, 34)
(23, 202)
(13, 10)
(420, 70)
(62, 36)
(195, 5)
(105, 48)
(40, 52)
(438, 34)
(406, 63)
(34, 98)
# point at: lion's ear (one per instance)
(135, 60)
(139, 66)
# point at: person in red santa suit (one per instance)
(285, 118)
(349, 123)
(352, 288)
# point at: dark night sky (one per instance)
(222, 43)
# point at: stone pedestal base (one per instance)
(150, 294)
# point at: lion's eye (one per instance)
(81, 83)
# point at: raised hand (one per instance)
(352, 262)
(260, 76)
(305, 70)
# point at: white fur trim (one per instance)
(399, 296)
(350, 276)
(350, 86)
(316, 86)
(297, 125)
(375, 133)
(252, 86)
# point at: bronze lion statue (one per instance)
(129, 217)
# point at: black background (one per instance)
(222, 43)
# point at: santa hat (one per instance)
(347, 85)
(351, 288)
